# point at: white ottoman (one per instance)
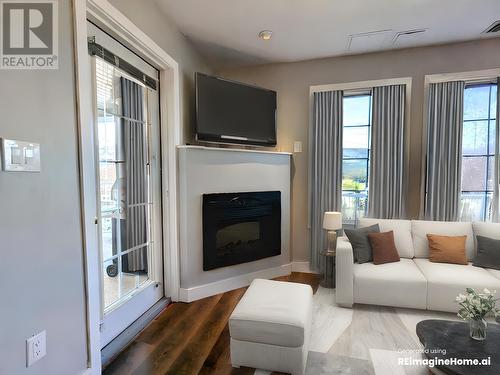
(271, 327)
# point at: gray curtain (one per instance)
(135, 169)
(444, 151)
(496, 174)
(326, 167)
(386, 194)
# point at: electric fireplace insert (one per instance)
(240, 227)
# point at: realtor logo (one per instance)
(28, 34)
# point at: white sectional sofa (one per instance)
(414, 281)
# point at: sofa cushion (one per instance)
(384, 248)
(491, 230)
(488, 253)
(421, 228)
(445, 281)
(361, 246)
(390, 284)
(447, 249)
(273, 312)
(402, 233)
(495, 273)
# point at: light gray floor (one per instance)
(364, 340)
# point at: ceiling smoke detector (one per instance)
(494, 28)
(266, 34)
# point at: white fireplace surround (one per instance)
(204, 170)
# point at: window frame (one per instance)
(355, 94)
(484, 215)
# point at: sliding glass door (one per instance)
(128, 186)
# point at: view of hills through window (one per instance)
(355, 157)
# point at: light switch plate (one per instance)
(36, 348)
(297, 146)
(20, 156)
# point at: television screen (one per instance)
(232, 112)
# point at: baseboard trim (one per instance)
(302, 267)
(207, 290)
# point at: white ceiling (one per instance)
(225, 31)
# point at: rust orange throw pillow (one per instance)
(447, 249)
(384, 248)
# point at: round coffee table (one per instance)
(445, 339)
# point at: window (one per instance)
(125, 237)
(355, 157)
(478, 152)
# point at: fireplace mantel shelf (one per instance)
(232, 149)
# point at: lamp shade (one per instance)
(332, 220)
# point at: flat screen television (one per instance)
(232, 112)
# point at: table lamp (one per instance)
(332, 221)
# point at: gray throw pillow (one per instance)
(488, 253)
(361, 248)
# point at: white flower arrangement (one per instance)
(475, 305)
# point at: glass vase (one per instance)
(478, 329)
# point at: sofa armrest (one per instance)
(344, 273)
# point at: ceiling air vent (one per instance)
(407, 33)
(494, 28)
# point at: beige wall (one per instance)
(148, 16)
(41, 278)
(292, 81)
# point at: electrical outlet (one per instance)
(36, 348)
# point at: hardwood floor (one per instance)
(190, 338)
